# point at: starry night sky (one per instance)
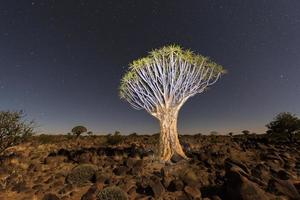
(61, 61)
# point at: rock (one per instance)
(102, 177)
(261, 172)
(130, 162)
(20, 187)
(176, 185)
(138, 167)
(192, 192)
(156, 186)
(189, 177)
(239, 187)
(297, 167)
(230, 163)
(120, 171)
(54, 160)
(130, 186)
(92, 192)
(84, 158)
(176, 158)
(81, 174)
(50, 196)
(283, 187)
(215, 197)
(274, 157)
(167, 180)
(66, 189)
(283, 175)
(37, 187)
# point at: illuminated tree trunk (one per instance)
(168, 142)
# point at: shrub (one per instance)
(81, 174)
(69, 136)
(78, 130)
(114, 139)
(14, 129)
(112, 193)
(285, 124)
(246, 132)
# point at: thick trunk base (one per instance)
(168, 142)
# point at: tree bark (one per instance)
(168, 142)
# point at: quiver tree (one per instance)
(162, 82)
(78, 130)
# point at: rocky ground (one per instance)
(220, 167)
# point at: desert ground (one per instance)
(124, 167)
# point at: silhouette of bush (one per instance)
(246, 132)
(114, 139)
(112, 193)
(81, 174)
(78, 130)
(285, 125)
(69, 136)
(14, 129)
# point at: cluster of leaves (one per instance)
(285, 124)
(160, 56)
(13, 128)
(81, 174)
(113, 192)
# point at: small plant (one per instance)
(112, 193)
(78, 130)
(14, 129)
(81, 174)
(114, 139)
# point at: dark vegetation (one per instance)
(14, 129)
(285, 126)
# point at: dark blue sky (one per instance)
(61, 61)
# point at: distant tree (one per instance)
(78, 130)
(13, 128)
(284, 123)
(133, 134)
(89, 133)
(246, 132)
(213, 133)
(230, 134)
(162, 82)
